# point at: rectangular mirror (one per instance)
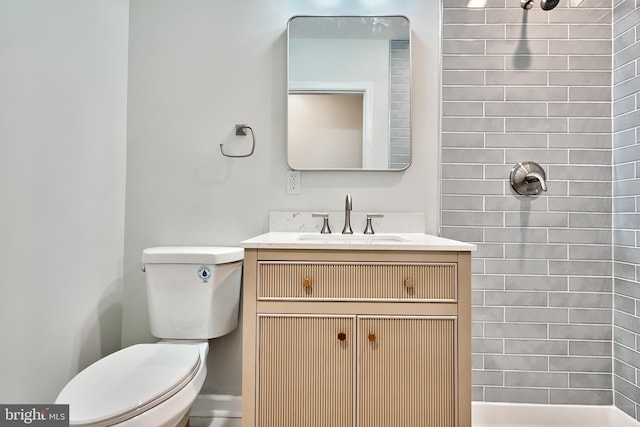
(349, 93)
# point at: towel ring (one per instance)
(241, 130)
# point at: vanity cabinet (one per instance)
(357, 338)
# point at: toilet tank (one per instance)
(193, 292)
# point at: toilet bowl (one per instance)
(155, 386)
(193, 295)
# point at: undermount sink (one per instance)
(359, 238)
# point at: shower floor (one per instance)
(523, 415)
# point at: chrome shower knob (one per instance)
(528, 178)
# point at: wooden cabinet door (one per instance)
(406, 372)
(306, 368)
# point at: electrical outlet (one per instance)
(293, 182)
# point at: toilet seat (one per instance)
(129, 382)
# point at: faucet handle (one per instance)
(528, 178)
(325, 223)
(369, 227)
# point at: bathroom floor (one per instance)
(214, 422)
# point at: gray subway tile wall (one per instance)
(534, 85)
(626, 203)
(400, 111)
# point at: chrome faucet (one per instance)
(325, 222)
(347, 216)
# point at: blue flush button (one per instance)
(204, 273)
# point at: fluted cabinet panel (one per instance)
(356, 338)
(305, 371)
(407, 372)
(360, 281)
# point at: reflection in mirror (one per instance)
(349, 93)
(328, 123)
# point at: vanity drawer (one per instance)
(435, 282)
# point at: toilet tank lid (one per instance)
(192, 255)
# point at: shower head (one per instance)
(544, 4)
(548, 4)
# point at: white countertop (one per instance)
(378, 241)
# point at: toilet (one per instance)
(193, 294)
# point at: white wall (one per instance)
(199, 67)
(62, 180)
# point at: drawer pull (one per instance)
(306, 282)
(342, 336)
(371, 337)
(408, 283)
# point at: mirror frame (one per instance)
(299, 89)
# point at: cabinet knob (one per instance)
(371, 337)
(342, 336)
(306, 282)
(408, 283)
